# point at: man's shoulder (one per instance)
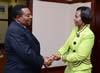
(14, 27)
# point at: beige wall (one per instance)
(13, 3)
(3, 28)
(3, 24)
(4, 15)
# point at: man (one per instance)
(21, 46)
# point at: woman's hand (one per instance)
(56, 57)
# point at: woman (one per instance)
(77, 49)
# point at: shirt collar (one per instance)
(21, 24)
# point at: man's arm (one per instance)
(23, 49)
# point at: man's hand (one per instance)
(47, 62)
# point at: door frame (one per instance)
(30, 6)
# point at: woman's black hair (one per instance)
(86, 14)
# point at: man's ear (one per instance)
(17, 17)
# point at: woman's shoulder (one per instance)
(89, 32)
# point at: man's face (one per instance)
(26, 17)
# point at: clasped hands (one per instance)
(49, 60)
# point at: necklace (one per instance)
(78, 33)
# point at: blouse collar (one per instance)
(82, 29)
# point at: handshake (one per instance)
(49, 60)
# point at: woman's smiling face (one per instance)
(77, 19)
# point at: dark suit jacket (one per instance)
(22, 50)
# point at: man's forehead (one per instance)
(26, 10)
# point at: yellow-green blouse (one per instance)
(77, 49)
